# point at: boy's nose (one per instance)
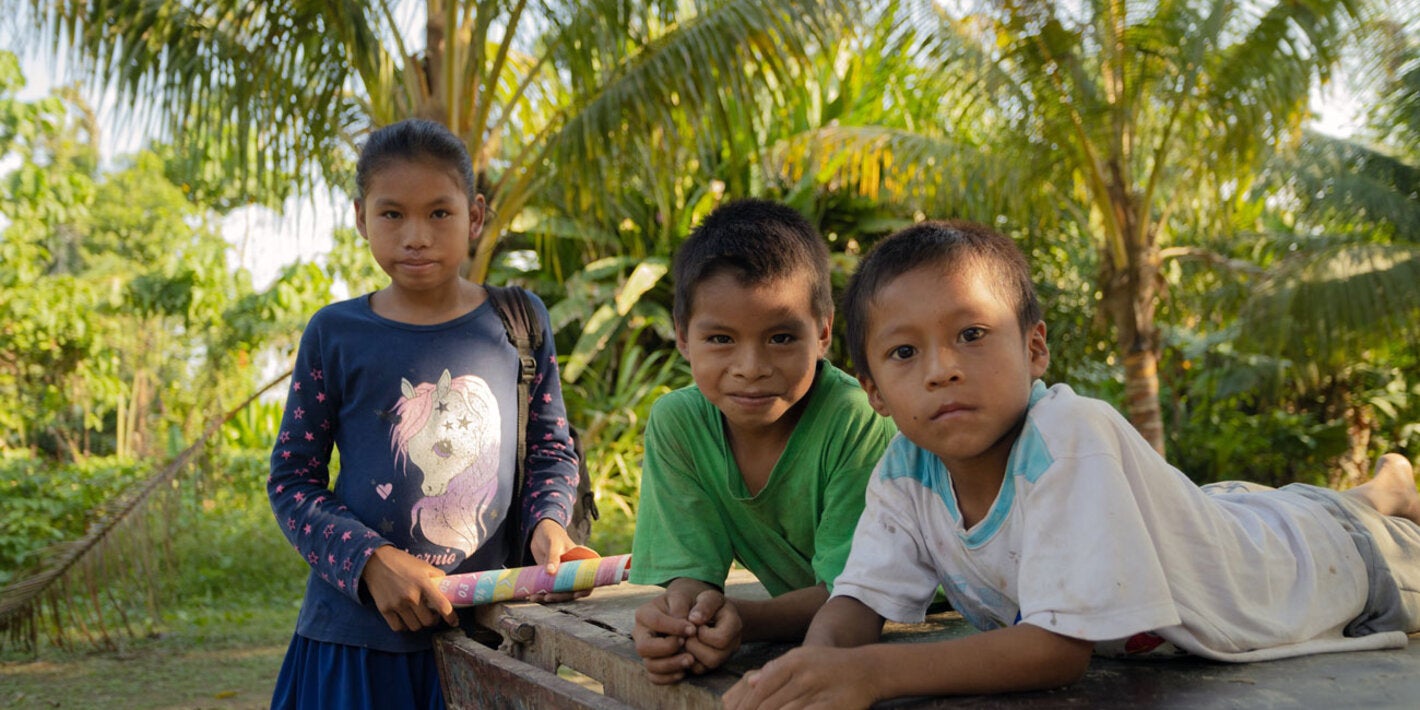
(941, 367)
(749, 364)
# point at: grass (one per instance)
(220, 659)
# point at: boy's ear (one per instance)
(360, 218)
(681, 343)
(825, 335)
(875, 397)
(1038, 349)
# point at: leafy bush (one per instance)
(230, 550)
(43, 503)
(209, 539)
(610, 405)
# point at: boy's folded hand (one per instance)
(660, 634)
(718, 631)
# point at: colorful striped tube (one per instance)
(499, 585)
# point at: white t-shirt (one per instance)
(1094, 536)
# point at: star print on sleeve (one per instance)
(551, 464)
(321, 529)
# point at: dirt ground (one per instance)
(151, 675)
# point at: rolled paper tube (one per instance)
(500, 585)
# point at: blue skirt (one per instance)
(316, 674)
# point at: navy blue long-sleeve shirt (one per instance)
(424, 418)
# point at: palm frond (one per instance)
(738, 53)
(259, 88)
(932, 174)
(1341, 182)
(116, 565)
(1335, 305)
(1286, 48)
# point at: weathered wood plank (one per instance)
(593, 636)
(480, 678)
(563, 639)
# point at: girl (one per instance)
(415, 385)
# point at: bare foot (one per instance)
(1391, 489)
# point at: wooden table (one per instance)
(593, 637)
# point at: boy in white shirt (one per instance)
(1051, 524)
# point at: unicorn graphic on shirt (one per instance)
(450, 431)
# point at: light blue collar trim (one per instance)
(1029, 458)
(1038, 390)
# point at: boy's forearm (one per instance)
(1018, 658)
(844, 622)
(783, 618)
(688, 587)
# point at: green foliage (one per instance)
(124, 328)
(1226, 422)
(206, 541)
(610, 406)
(43, 504)
(254, 428)
(231, 551)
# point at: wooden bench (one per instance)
(592, 636)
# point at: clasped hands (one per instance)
(691, 627)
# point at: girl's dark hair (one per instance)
(758, 241)
(414, 139)
(954, 245)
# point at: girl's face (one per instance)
(419, 222)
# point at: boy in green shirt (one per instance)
(763, 460)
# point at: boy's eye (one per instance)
(972, 334)
(902, 352)
(390, 214)
(441, 214)
(718, 339)
(781, 338)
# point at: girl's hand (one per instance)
(406, 591)
(549, 543)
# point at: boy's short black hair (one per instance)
(758, 241)
(954, 244)
(419, 140)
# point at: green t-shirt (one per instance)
(696, 515)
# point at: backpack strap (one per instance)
(525, 333)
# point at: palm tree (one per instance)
(278, 93)
(1124, 123)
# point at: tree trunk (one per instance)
(1353, 467)
(1130, 294)
(433, 106)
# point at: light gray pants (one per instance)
(1390, 547)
